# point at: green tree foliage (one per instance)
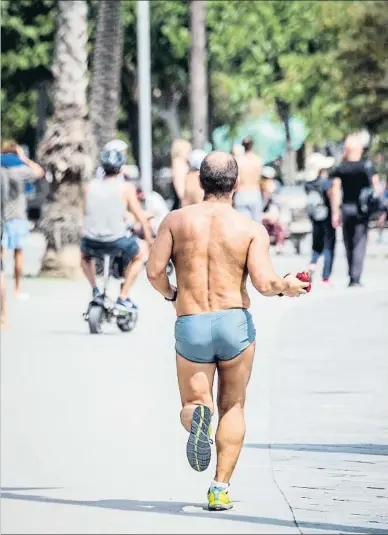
(325, 61)
(28, 28)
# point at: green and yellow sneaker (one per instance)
(219, 499)
(198, 445)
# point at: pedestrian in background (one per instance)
(193, 190)
(318, 190)
(247, 199)
(271, 217)
(180, 151)
(17, 169)
(359, 185)
(4, 194)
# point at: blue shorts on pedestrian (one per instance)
(214, 336)
(15, 232)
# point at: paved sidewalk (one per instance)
(91, 440)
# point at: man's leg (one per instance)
(18, 269)
(2, 288)
(2, 301)
(131, 273)
(233, 378)
(348, 227)
(328, 251)
(196, 387)
(89, 269)
(317, 245)
(359, 250)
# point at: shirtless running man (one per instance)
(214, 248)
(247, 199)
(193, 191)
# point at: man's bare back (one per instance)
(250, 167)
(210, 247)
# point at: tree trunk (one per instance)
(106, 77)
(198, 74)
(66, 151)
(289, 159)
(42, 110)
(170, 115)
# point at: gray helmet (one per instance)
(112, 160)
(117, 144)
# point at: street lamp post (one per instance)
(144, 92)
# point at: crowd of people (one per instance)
(218, 232)
(349, 195)
(346, 194)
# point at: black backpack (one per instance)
(369, 202)
(316, 206)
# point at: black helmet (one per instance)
(112, 160)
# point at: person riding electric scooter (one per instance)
(107, 201)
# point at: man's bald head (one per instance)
(218, 174)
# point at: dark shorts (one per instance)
(126, 246)
(213, 336)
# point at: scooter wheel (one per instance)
(96, 318)
(127, 324)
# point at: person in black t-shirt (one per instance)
(351, 178)
(317, 188)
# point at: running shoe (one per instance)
(219, 499)
(98, 298)
(96, 292)
(125, 305)
(198, 445)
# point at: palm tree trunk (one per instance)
(106, 76)
(198, 74)
(289, 159)
(66, 151)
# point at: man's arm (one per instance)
(335, 200)
(135, 207)
(262, 274)
(38, 171)
(179, 171)
(158, 259)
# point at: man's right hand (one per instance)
(295, 287)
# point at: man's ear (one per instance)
(237, 183)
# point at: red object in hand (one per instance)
(304, 276)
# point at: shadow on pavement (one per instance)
(363, 449)
(13, 489)
(177, 508)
